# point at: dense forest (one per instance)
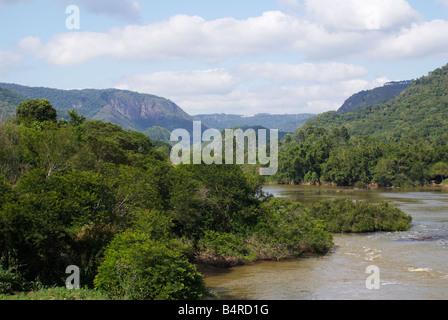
(317, 156)
(91, 194)
(420, 111)
(403, 142)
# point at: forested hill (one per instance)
(375, 96)
(420, 111)
(130, 110)
(281, 122)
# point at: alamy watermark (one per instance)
(73, 21)
(373, 280)
(210, 146)
(73, 281)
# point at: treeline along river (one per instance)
(413, 265)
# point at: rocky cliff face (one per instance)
(131, 110)
(373, 97)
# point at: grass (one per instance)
(57, 294)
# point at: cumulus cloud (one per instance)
(335, 31)
(286, 88)
(362, 14)
(274, 99)
(168, 83)
(428, 39)
(306, 72)
(327, 30)
(180, 37)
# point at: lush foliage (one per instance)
(402, 142)
(90, 194)
(36, 110)
(347, 216)
(145, 263)
(420, 111)
(315, 155)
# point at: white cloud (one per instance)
(337, 31)
(182, 83)
(429, 39)
(287, 88)
(306, 72)
(274, 99)
(354, 15)
(180, 37)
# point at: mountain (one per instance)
(373, 97)
(420, 111)
(284, 123)
(131, 110)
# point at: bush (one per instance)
(136, 266)
(10, 281)
(347, 216)
(223, 250)
(286, 230)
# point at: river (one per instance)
(411, 265)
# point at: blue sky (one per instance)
(243, 57)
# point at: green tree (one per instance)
(39, 110)
(76, 119)
(145, 263)
(440, 169)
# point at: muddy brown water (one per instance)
(412, 265)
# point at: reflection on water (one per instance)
(413, 264)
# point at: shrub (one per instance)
(142, 263)
(223, 250)
(287, 230)
(347, 216)
(10, 281)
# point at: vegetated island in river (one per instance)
(296, 230)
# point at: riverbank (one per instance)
(412, 263)
(328, 217)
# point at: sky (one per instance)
(238, 57)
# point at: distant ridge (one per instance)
(131, 110)
(419, 112)
(284, 123)
(378, 95)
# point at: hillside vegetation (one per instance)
(375, 96)
(420, 111)
(403, 142)
(287, 123)
(130, 110)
